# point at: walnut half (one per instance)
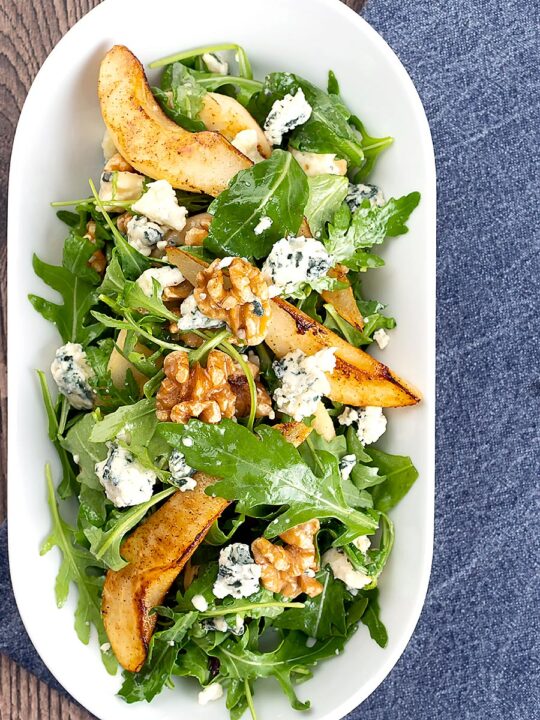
(290, 569)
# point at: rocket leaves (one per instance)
(265, 469)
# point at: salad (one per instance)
(217, 410)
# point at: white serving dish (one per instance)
(57, 146)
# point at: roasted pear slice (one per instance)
(151, 142)
(225, 115)
(358, 378)
(156, 552)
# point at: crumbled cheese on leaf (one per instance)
(358, 193)
(343, 570)
(363, 543)
(382, 338)
(371, 422)
(294, 261)
(215, 63)
(303, 381)
(160, 204)
(120, 186)
(285, 115)
(238, 573)
(210, 693)
(199, 603)
(247, 141)
(181, 472)
(314, 164)
(264, 224)
(126, 482)
(71, 373)
(165, 276)
(346, 465)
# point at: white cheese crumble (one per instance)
(71, 372)
(187, 441)
(210, 693)
(125, 480)
(382, 338)
(314, 164)
(303, 381)
(108, 146)
(264, 224)
(343, 570)
(294, 261)
(143, 234)
(346, 465)
(165, 276)
(247, 141)
(191, 318)
(238, 573)
(199, 603)
(221, 625)
(362, 543)
(358, 193)
(160, 204)
(371, 422)
(215, 63)
(120, 185)
(105, 647)
(285, 115)
(181, 472)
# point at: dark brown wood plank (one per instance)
(28, 32)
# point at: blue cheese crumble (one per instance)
(126, 482)
(220, 624)
(371, 422)
(181, 472)
(346, 465)
(215, 63)
(191, 318)
(265, 223)
(294, 261)
(160, 204)
(71, 373)
(303, 381)
(285, 115)
(358, 193)
(238, 573)
(165, 277)
(210, 693)
(343, 570)
(143, 234)
(382, 338)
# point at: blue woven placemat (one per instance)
(475, 653)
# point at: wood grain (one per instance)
(28, 32)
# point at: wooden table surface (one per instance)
(28, 32)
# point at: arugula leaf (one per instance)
(108, 395)
(400, 476)
(134, 298)
(140, 418)
(363, 475)
(78, 298)
(322, 616)
(373, 322)
(74, 569)
(373, 562)
(286, 664)
(371, 619)
(276, 188)
(77, 252)
(181, 97)
(371, 146)
(326, 194)
(217, 537)
(79, 444)
(105, 541)
(367, 226)
(265, 469)
(114, 280)
(158, 667)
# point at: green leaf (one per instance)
(400, 477)
(78, 443)
(140, 419)
(276, 188)
(371, 619)
(105, 542)
(157, 670)
(77, 253)
(114, 280)
(181, 97)
(371, 146)
(363, 475)
(133, 297)
(217, 537)
(326, 194)
(75, 563)
(349, 236)
(322, 616)
(108, 395)
(78, 298)
(265, 469)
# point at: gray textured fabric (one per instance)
(475, 650)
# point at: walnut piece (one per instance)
(239, 298)
(198, 392)
(97, 261)
(290, 569)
